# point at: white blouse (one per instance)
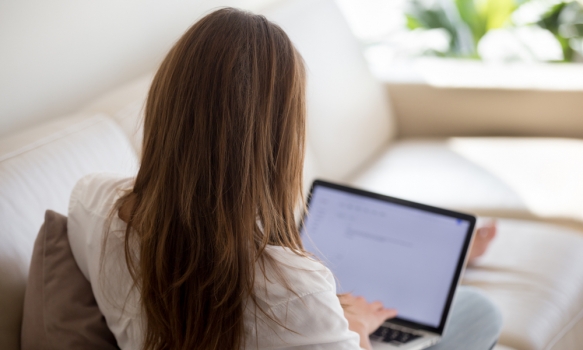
(313, 312)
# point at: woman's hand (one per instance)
(363, 317)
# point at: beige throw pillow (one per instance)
(60, 311)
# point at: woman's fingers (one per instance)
(385, 314)
(389, 313)
(377, 305)
(382, 312)
(381, 316)
(362, 315)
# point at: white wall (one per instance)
(56, 55)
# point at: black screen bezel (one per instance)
(449, 213)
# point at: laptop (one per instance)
(407, 255)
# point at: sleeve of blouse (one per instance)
(312, 319)
(76, 226)
(319, 323)
(89, 207)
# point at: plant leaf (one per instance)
(469, 14)
(497, 13)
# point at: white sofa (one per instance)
(533, 270)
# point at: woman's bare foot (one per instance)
(484, 235)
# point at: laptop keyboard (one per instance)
(394, 336)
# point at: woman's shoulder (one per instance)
(90, 209)
(287, 275)
(96, 193)
(90, 206)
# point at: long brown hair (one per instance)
(220, 177)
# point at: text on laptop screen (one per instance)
(404, 257)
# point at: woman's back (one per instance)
(309, 310)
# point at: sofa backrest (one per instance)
(38, 169)
(349, 116)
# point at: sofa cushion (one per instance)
(509, 177)
(534, 273)
(60, 311)
(38, 169)
(125, 104)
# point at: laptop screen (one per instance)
(406, 255)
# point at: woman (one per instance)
(201, 250)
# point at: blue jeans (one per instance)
(475, 323)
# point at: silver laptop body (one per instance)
(408, 255)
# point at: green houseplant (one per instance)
(468, 21)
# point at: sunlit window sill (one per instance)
(473, 74)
